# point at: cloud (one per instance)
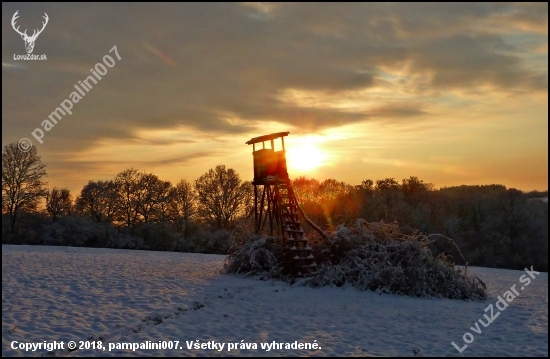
(224, 69)
(230, 63)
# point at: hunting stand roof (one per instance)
(267, 137)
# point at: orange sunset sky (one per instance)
(451, 93)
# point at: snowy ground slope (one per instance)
(60, 293)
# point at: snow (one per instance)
(62, 294)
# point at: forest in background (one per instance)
(493, 226)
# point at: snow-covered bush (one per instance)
(210, 241)
(252, 254)
(158, 238)
(374, 256)
(76, 231)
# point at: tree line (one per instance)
(135, 209)
(493, 226)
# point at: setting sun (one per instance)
(305, 157)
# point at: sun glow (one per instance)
(305, 156)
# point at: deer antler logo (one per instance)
(29, 40)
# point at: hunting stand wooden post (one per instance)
(277, 203)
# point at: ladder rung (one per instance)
(298, 229)
(308, 257)
(292, 227)
(313, 265)
(294, 230)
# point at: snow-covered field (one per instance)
(63, 294)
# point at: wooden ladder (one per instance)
(300, 251)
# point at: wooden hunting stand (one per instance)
(278, 203)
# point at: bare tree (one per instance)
(332, 195)
(222, 196)
(59, 203)
(129, 197)
(163, 211)
(22, 184)
(183, 206)
(414, 190)
(97, 200)
(153, 194)
(306, 189)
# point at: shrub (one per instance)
(374, 256)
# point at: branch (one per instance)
(310, 222)
(450, 240)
